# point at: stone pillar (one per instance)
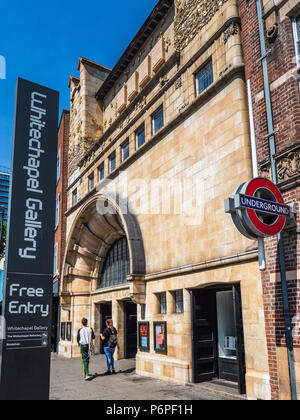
(95, 324)
(118, 320)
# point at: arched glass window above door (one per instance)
(116, 266)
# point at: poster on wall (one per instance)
(160, 337)
(144, 336)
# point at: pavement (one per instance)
(67, 384)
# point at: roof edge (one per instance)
(84, 60)
(155, 17)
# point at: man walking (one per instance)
(85, 339)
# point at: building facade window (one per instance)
(57, 211)
(157, 121)
(162, 303)
(116, 266)
(178, 300)
(101, 172)
(58, 167)
(55, 269)
(140, 137)
(91, 181)
(204, 78)
(112, 162)
(296, 32)
(125, 150)
(74, 197)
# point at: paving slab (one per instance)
(67, 383)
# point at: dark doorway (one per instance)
(218, 341)
(105, 313)
(130, 338)
(205, 353)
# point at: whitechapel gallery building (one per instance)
(156, 145)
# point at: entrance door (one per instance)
(228, 365)
(105, 313)
(218, 340)
(130, 339)
(205, 353)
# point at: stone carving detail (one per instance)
(191, 16)
(232, 29)
(289, 166)
(178, 83)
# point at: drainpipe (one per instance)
(271, 137)
(261, 245)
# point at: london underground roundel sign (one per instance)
(257, 208)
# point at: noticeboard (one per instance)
(160, 337)
(144, 336)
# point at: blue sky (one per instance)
(42, 41)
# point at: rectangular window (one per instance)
(112, 162)
(140, 136)
(91, 181)
(157, 121)
(296, 31)
(125, 150)
(162, 303)
(57, 211)
(101, 172)
(55, 260)
(58, 167)
(178, 297)
(74, 197)
(204, 78)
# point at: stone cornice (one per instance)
(205, 265)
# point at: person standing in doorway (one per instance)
(110, 342)
(85, 339)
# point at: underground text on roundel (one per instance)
(264, 205)
(34, 204)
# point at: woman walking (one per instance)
(110, 342)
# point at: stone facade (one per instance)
(284, 86)
(173, 185)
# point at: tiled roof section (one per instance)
(151, 23)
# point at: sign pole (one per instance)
(27, 308)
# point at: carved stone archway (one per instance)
(99, 224)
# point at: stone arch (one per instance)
(99, 224)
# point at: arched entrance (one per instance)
(104, 267)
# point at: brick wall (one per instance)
(286, 114)
(61, 188)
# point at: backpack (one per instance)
(112, 341)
